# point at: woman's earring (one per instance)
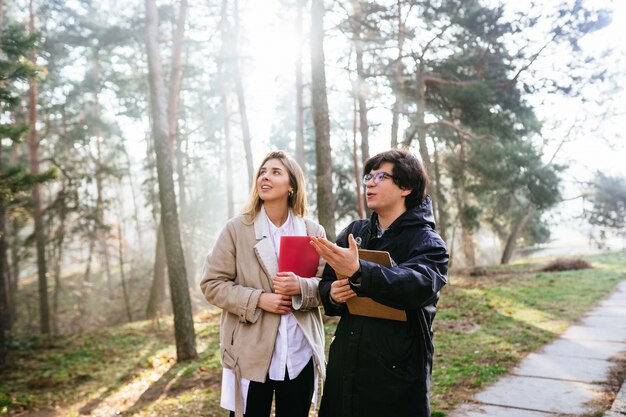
(290, 193)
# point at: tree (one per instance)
(605, 206)
(15, 182)
(319, 104)
(181, 303)
(33, 156)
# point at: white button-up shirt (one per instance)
(291, 351)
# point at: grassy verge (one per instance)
(484, 327)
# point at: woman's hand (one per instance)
(340, 291)
(286, 283)
(275, 303)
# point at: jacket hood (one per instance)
(421, 214)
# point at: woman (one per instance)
(272, 338)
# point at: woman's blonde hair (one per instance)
(296, 200)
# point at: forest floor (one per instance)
(485, 325)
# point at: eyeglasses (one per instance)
(378, 177)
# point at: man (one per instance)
(379, 367)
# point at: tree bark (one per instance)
(398, 78)
(33, 157)
(102, 231)
(241, 100)
(181, 302)
(120, 253)
(360, 206)
(438, 206)
(4, 283)
(319, 104)
(176, 140)
(516, 231)
(299, 87)
(360, 84)
(157, 290)
(221, 81)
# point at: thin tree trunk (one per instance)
(176, 74)
(516, 231)
(398, 78)
(241, 100)
(157, 290)
(319, 104)
(176, 141)
(131, 184)
(181, 302)
(438, 206)
(355, 160)
(87, 274)
(4, 284)
(221, 71)
(100, 226)
(15, 272)
(357, 16)
(299, 87)
(120, 253)
(33, 153)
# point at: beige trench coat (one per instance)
(238, 269)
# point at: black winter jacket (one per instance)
(379, 367)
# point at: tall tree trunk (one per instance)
(120, 253)
(299, 87)
(319, 104)
(357, 17)
(398, 79)
(176, 141)
(157, 290)
(33, 156)
(87, 274)
(438, 203)
(181, 302)
(241, 100)
(4, 283)
(516, 231)
(221, 81)
(101, 224)
(59, 240)
(176, 74)
(355, 160)
(131, 184)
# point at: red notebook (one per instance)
(298, 256)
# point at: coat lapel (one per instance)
(264, 249)
(299, 226)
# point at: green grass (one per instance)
(484, 327)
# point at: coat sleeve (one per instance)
(330, 307)
(412, 284)
(309, 296)
(218, 283)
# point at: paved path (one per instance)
(567, 376)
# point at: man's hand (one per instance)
(340, 291)
(275, 303)
(345, 261)
(286, 283)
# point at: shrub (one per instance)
(564, 264)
